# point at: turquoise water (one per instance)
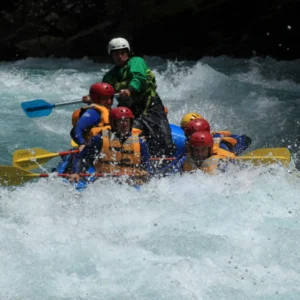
(232, 236)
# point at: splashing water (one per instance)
(192, 236)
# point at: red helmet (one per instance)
(196, 125)
(101, 89)
(120, 112)
(201, 138)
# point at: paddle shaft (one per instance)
(66, 103)
(10, 175)
(87, 175)
(67, 152)
(161, 158)
(41, 107)
(30, 159)
(77, 151)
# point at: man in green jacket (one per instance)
(136, 85)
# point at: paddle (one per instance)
(11, 176)
(30, 159)
(41, 108)
(16, 176)
(267, 156)
(264, 156)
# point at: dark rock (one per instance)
(171, 29)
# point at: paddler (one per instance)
(116, 150)
(224, 144)
(136, 85)
(237, 144)
(202, 154)
(90, 120)
(205, 155)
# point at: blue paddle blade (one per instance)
(37, 108)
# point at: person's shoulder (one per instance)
(110, 72)
(137, 59)
(91, 111)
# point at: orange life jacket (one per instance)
(104, 122)
(117, 157)
(226, 138)
(210, 165)
(100, 108)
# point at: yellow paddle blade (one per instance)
(267, 156)
(10, 176)
(30, 159)
(73, 144)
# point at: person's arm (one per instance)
(89, 119)
(243, 142)
(175, 166)
(137, 73)
(83, 160)
(78, 165)
(137, 70)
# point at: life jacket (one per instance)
(144, 96)
(117, 157)
(190, 164)
(104, 122)
(134, 131)
(100, 108)
(210, 165)
(224, 137)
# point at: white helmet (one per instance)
(118, 43)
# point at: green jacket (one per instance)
(138, 78)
